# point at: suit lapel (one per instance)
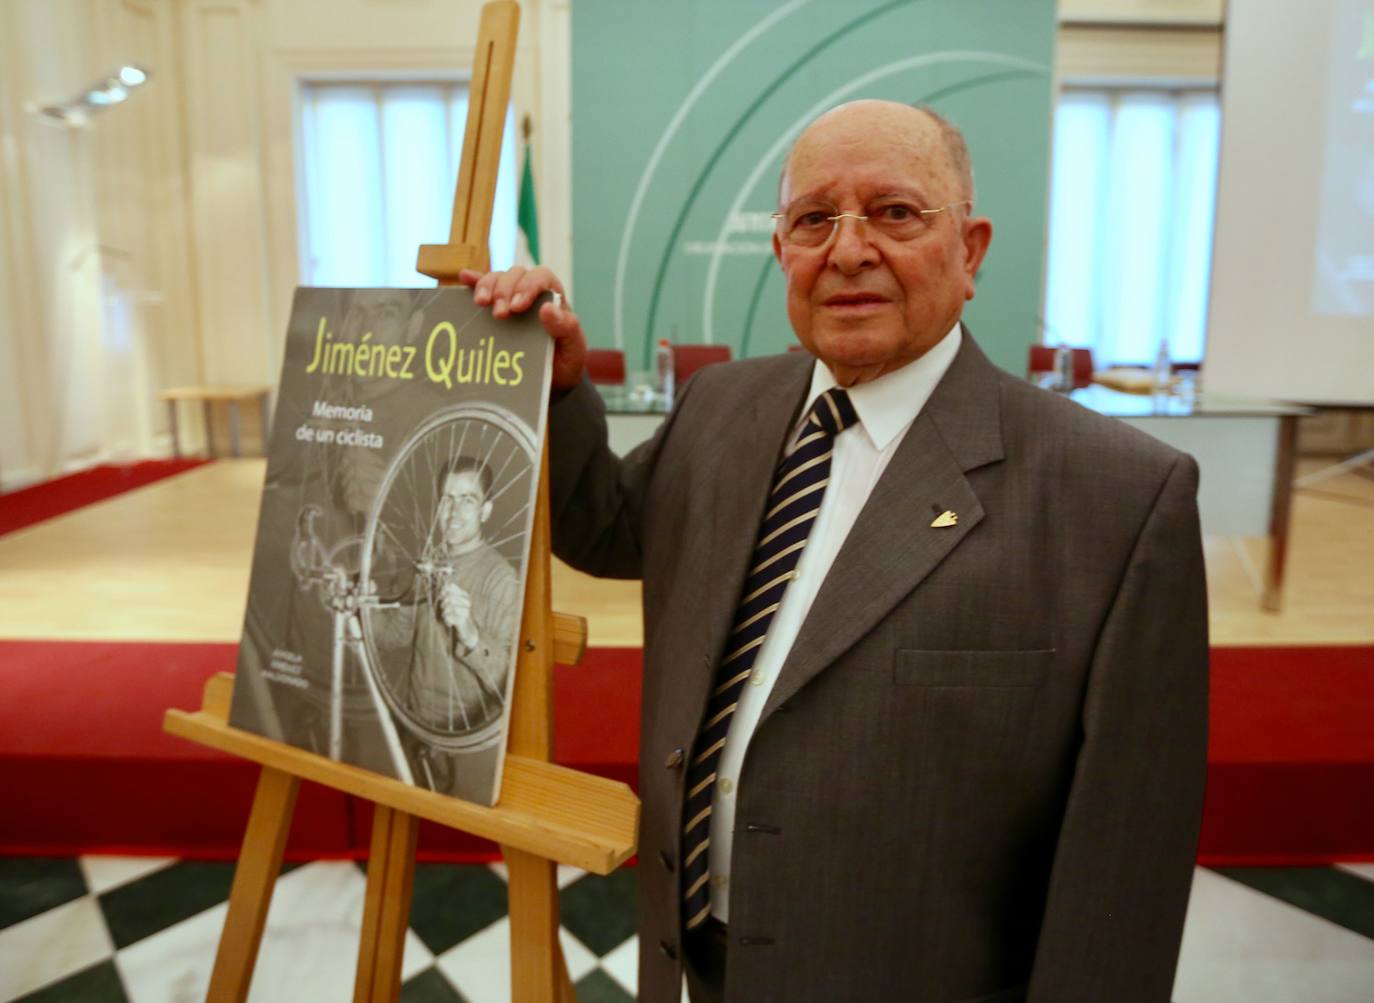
(748, 451)
(893, 546)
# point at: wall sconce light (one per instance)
(100, 95)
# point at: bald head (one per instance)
(932, 141)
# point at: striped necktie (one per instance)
(798, 485)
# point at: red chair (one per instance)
(1042, 361)
(606, 365)
(687, 359)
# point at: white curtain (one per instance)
(379, 164)
(1132, 201)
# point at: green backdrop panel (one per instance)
(683, 113)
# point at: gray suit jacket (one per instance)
(979, 774)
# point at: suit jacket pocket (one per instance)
(971, 668)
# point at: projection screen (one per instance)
(1291, 315)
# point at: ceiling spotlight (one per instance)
(99, 96)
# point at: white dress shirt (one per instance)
(886, 407)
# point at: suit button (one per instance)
(674, 760)
(669, 951)
(666, 860)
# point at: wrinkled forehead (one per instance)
(866, 156)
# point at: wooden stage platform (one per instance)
(170, 562)
(112, 613)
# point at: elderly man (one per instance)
(925, 647)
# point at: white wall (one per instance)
(1148, 41)
(139, 194)
(94, 312)
(1156, 13)
(157, 247)
(51, 287)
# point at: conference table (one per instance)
(1246, 452)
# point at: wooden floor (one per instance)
(170, 562)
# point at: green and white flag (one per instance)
(527, 215)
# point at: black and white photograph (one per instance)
(388, 572)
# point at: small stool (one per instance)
(208, 396)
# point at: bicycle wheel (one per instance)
(436, 687)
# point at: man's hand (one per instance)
(455, 609)
(514, 292)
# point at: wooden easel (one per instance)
(547, 814)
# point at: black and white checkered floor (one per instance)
(143, 929)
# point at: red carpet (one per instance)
(86, 768)
(56, 497)
(1290, 774)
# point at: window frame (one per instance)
(1114, 91)
(452, 84)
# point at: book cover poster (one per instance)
(389, 569)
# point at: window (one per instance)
(379, 164)
(1132, 200)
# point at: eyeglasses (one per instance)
(810, 222)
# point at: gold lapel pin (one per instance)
(945, 518)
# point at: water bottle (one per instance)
(1063, 368)
(663, 363)
(1164, 370)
